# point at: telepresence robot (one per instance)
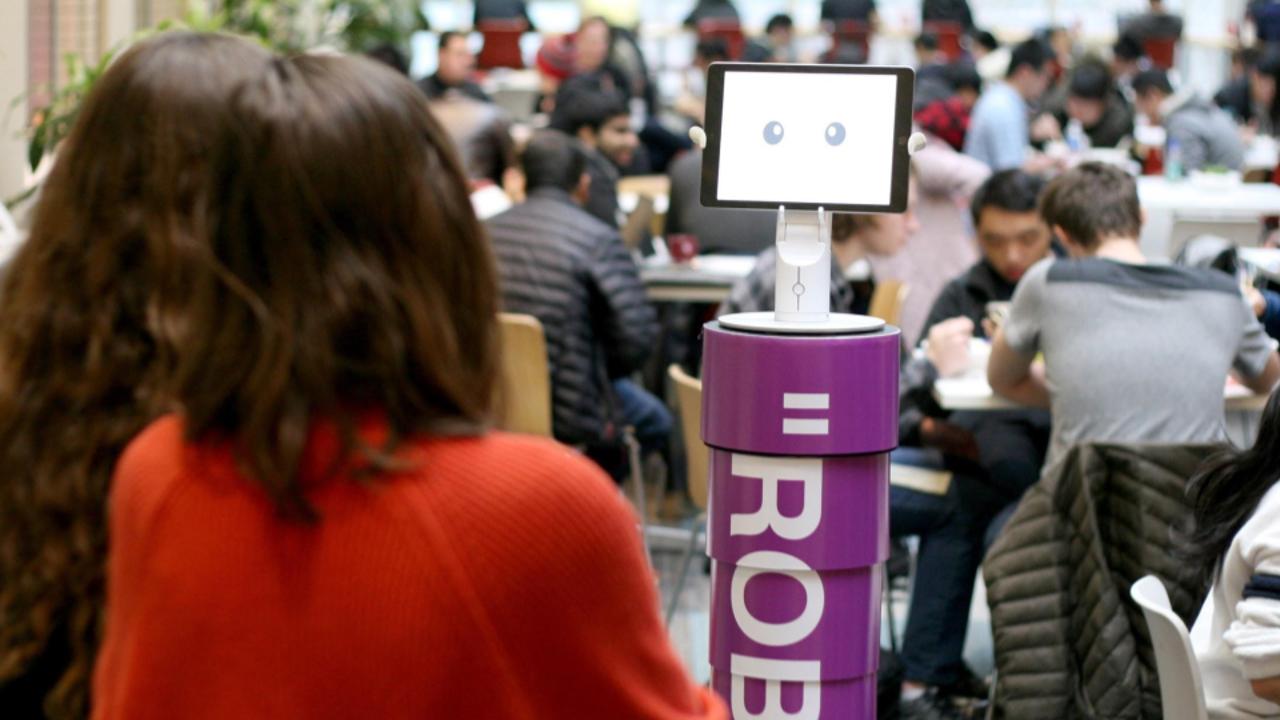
(800, 405)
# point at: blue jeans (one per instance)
(949, 557)
(645, 413)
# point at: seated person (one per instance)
(778, 43)
(1252, 100)
(853, 239)
(1235, 550)
(1005, 448)
(956, 11)
(481, 133)
(710, 10)
(1127, 60)
(857, 10)
(948, 118)
(1000, 131)
(1092, 99)
(1203, 133)
(455, 64)
(1133, 351)
(1155, 24)
(571, 271)
(736, 231)
(932, 81)
(599, 119)
(502, 10)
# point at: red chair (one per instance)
(501, 44)
(948, 34)
(1161, 51)
(855, 33)
(730, 31)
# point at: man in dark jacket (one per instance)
(1010, 445)
(1091, 98)
(571, 271)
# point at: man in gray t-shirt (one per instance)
(1133, 352)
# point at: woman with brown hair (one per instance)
(328, 530)
(79, 372)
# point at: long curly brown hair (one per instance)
(80, 359)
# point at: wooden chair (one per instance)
(730, 31)
(526, 376)
(501, 44)
(698, 461)
(1161, 51)
(948, 34)
(887, 300)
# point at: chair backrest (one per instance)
(526, 376)
(887, 300)
(948, 34)
(1181, 690)
(501, 44)
(689, 401)
(1161, 50)
(728, 30)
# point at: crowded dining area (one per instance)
(669, 359)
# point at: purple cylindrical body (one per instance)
(800, 428)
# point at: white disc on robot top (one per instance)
(835, 324)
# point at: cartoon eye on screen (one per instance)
(807, 136)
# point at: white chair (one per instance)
(1181, 690)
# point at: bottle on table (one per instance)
(1173, 160)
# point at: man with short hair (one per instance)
(454, 65)
(999, 132)
(778, 43)
(1133, 351)
(1204, 134)
(598, 117)
(1093, 100)
(571, 271)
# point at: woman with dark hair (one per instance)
(328, 529)
(79, 360)
(1253, 100)
(1235, 548)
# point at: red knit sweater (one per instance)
(496, 577)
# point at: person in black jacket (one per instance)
(571, 271)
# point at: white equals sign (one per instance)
(805, 401)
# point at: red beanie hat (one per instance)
(556, 58)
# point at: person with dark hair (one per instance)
(502, 10)
(981, 43)
(82, 362)
(710, 10)
(932, 82)
(1234, 549)
(1093, 100)
(455, 64)
(842, 10)
(1253, 100)
(1127, 60)
(598, 117)
(948, 118)
(1203, 134)
(778, 43)
(563, 266)
(391, 56)
(1118, 333)
(956, 11)
(999, 133)
(1157, 23)
(327, 527)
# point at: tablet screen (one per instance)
(806, 136)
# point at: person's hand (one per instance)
(1038, 163)
(948, 348)
(951, 439)
(1045, 127)
(1256, 300)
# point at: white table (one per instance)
(707, 279)
(1178, 211)
(972, 392)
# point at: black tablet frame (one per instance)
(901, 134)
